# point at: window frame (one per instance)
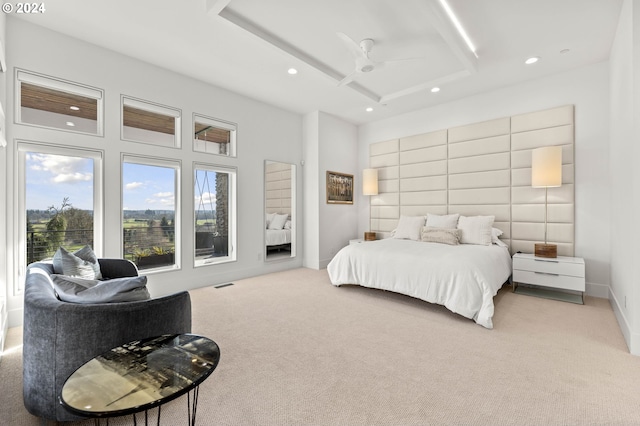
(220, 124)
(156, 108)
(61, 85)
(231, 214)
(22, 148)
(176, 165)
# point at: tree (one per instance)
(57, 225)
(79, 226)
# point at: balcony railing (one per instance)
(146, 247)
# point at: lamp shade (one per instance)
(546, 167)
(370, 182)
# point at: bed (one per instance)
(464, 278)
(278, 231)
(278, 238)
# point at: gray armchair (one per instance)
(59, 337)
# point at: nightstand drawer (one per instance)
(549, 280)
(574, 269)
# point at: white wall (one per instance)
(311, 182)
(329, 144)
(587, 89)
(3, 194)
(625, 176)
(338, 141)
(264, 133)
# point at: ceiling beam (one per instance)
(216, 6)
(287, 47)
(447, 30)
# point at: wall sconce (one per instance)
(370, 187)
(546, 172)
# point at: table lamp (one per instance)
(370, 187)
(546, 172)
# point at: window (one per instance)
(214, 214)
(214, 136)
(60, 200)
(47, 102)
(150, 212)
(150, 123)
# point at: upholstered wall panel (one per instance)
(485, 129)
(278, 188)
(385, 207)
(554, 127)
(480, 169)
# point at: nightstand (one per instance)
(560, 278)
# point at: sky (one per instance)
(51, 178)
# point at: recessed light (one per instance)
(292, 71)
(532, 60)
(435, 90)
(70, 123)
(369, 109)
(75, 108)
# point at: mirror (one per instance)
(280, 208)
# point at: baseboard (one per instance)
(324, 263)
(631, 338)
(15, 317)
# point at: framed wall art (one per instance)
(339, 188)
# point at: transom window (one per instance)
(214, 136)
(147, 122)
(47, 102)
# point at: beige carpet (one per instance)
(298, 351)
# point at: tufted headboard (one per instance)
(480, 169)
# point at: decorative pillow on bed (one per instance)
(476, 229)
(441, 235)
(287, 224)
(79, 290)
(83, 263)
(409, 228)
(449, 221)
(278, 221)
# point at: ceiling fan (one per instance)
(364, 63)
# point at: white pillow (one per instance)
(495, 235)
(269, 218)
(287, 224)
(448, 221)
(278, 221)
(476, 229)
(409, 227)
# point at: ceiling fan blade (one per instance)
(353, 47)
(348, 79)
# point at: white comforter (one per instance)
(276, 237)
(464, 277)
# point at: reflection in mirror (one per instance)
(280, 208)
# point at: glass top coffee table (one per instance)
(141, 375)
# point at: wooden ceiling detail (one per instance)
(204, 132)
(58, 102)
(141, 119)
